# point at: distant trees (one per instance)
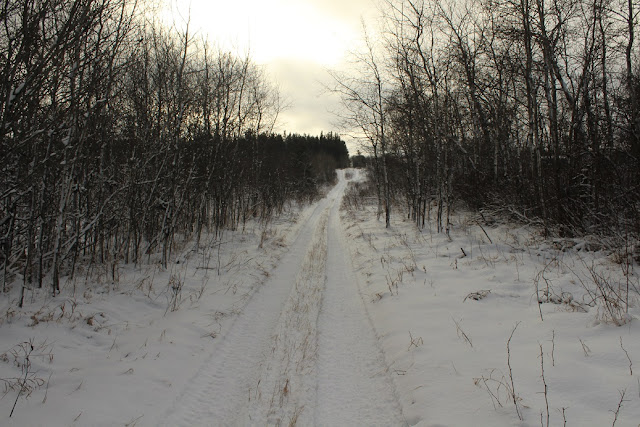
(526, 106)
(120, 137)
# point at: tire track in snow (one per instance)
(353, 385)
(227, 389)
(286, 394)
(302, 351)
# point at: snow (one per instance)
(418, 286)
(354, 385)
(324, 317)
(14, 93)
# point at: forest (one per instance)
(524, 109)
(119, 134)
(120, 137)
(169, 251)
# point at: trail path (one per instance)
(303, 351)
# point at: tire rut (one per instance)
(241, 383)
(302, 351)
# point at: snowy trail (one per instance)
(302, 351)
(354, 387)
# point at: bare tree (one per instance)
(365, 97)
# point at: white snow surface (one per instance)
(324, 317)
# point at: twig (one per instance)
(461, 332)
(415, 342)
(26, 367)
(536, 281)
(513, 390)
(628, 358)
(134, 421)
(77, 388)
(494, 398)
(46, 391)
(585, 348)
(553, 347)
(617, 411)
(485, 232)
(478, 295)
(544, 382)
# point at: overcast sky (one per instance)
(296, 40)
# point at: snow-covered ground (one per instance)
(444, 310)
(122, 353)
(324, 317)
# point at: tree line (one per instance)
(526, 107)
(120, 137)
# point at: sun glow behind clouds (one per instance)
(271, 30)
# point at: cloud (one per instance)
(296, 40)
(349, 11)
(311, 108)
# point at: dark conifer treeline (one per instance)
(119, 137)
(527, 107)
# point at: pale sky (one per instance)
(296, 40)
